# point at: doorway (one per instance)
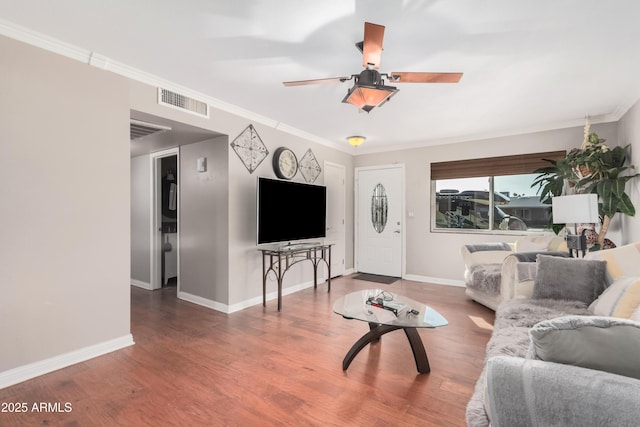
(380, 221)
(165, 219)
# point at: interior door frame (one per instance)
(343, 236)
(356, 232)
(155, 262)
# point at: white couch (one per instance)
(491, 274)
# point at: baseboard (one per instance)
(224, 308)
(205, 302)
(32, 370)
(140, 284)
(287, 291)
(349, 271)
(436, 280)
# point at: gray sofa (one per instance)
(553, 362)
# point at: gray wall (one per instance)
(204, 220)
(64, 162)
(424, 248)
(244, 283)
(140, 218)
(67, 209)
(245, 262)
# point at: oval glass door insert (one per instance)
(379, 208)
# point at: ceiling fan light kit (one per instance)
(369, 90)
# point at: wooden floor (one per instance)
(195, 366)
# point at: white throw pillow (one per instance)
(533, 244)
(602, 343)
(620, 299)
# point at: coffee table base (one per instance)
(374, 334)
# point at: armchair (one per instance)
(493, 275)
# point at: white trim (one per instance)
(228, 309)
(614, 116)
(98, 60)
(293, 289)
(32, 370)
(141, 284)
(205, 302)
(349, 271)
(43, 41)
(435, 280)
(102, 62)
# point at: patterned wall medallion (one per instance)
(250, 148)
(379, 208)
(309, 166)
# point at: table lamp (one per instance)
(576, 209)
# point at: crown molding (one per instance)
(578, 122)
(43, 41)
(103, 62)
(97, 60)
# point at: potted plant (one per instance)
(592, 168)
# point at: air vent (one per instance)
(138, 129)
(182, 102)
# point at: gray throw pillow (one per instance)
(569, 279)
(603, 343)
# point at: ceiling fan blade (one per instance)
(316, 81)
(372, 45)
(408, 77)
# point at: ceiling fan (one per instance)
(369, 90)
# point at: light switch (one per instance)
(202, 164)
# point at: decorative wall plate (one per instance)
(309, 166)
(250, 148)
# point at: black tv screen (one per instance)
(290, 211)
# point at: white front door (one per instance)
(334, 180)
(380, 220)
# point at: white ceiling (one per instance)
(528, 65)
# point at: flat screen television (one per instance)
(290, 211)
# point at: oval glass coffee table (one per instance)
(385, 312)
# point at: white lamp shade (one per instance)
(575, 209)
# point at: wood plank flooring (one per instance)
(195, 366)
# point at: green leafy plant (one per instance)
(593, 168)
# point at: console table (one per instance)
(279, 258)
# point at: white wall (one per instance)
(64, 164)
(435, 255)
(141, 219)
(629, 133)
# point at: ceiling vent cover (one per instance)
(138, 129)
(182, 102)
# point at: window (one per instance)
(490, 194)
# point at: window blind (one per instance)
(494, 166)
